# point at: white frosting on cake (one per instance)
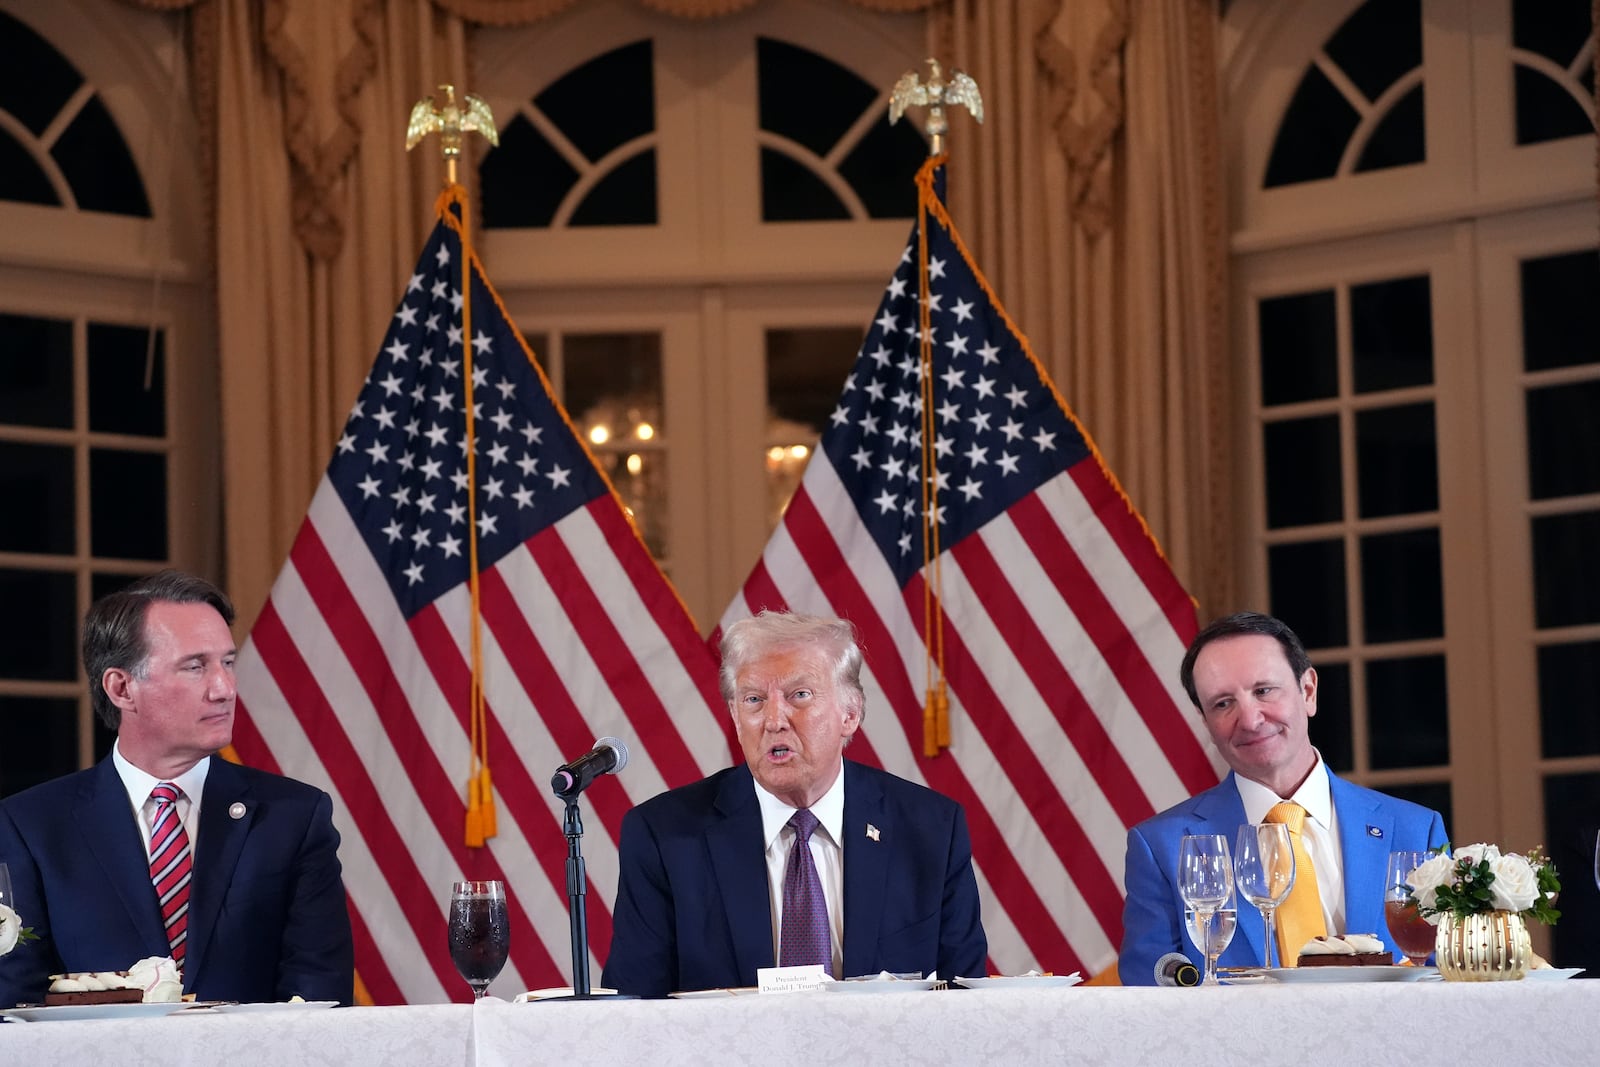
(157, 977)
(1348, 945)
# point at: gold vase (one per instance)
(1489, 947)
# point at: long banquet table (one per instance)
(1414, 1025)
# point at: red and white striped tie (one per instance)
(170, 865)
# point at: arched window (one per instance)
(106, 444)
(692, 222)
(1416, 271)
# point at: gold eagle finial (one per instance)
(451, 120)
(935, 94)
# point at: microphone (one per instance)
(1175, 969)
(608, 756)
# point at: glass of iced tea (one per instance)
(1411, 932)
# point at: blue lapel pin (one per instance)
(1374, 831)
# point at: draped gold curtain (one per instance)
(1092, 196)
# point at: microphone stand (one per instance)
(577, 906)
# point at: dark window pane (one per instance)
(1559, 327)
(1408, 723)
(38, 80)
(102, 584)
(1555, 29)
(1401, 136)
(523, 180)
(1571, 819)
(41, 742)
(882, 168)
(1330, 729)
(1307, 584)
(1315, 129)
(36, 484)
(1378, 44)
(613, 378)
(128, 512)
(1569, 699)
(1299, 347)
(1396, 461)
(35, 371)
(120, 398)
(806, 368)
(1564, 440)
(1434, 796)
(1546, 111)
(1391, 334)
(807, 98)
(1303, 471)
(624, 197)
(98, 165)
(39, 627)
(1566, 569)
(606, 102)
(1401, 587)
(21, 178)
(792, 193)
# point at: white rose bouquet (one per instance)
(1480, 878)
(11, 930)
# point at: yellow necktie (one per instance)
(1300, 915)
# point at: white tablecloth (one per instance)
(1416, 1025)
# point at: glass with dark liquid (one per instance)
(1413, 934)
(480, 932)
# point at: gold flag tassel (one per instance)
(935, 94)
(451, 121)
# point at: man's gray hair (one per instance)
(758, 636)
(114, 633)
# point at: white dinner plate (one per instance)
(882, 985)
(1552, 974)
(1393, 973)
(1021, 981)
(272, 1005)
(70, 1012)
(713, 994)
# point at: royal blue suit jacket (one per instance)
(694, 910)
(267, 915)
(1371, 825)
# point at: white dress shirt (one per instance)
(825, 851)
(1320, 835)
(139, 783)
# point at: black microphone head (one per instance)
(1175, 969)
(619, 749)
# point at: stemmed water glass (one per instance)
(1205, 880)
(1223, 924)
(1263, 864)
(1597, 860)
(1412, 934)
(480, 932)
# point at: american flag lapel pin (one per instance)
(872, 831)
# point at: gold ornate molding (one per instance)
(1087, 109)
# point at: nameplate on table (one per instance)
(791, 979)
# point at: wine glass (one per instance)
(1413, 934)
(1263, 865)
(1223, 923)
(1205, 881)
(480, 932)
(1597, 860)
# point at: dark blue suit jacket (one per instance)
(694, 911)
(1371, 825)
(267, 915)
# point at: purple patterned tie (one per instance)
(806, 938)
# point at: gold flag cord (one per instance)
(936, 706)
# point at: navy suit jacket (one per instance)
(694, 909)
(267, 915)
(1371, 825)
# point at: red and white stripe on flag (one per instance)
(1063, 623)
(356, 675)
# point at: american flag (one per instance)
(1063, 626)
(356, 676)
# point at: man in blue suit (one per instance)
(265, 917)
(701, 900)
(1257, 691)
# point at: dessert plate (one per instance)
(883, 985)
(1351, 974)
(1552, 974)
(70, 1012)
(713, 994)
(1020, 981)
(273, 1005)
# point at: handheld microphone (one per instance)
(608, 756)
(1175, 969)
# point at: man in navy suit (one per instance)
(1257, 691)
(266, 917)
(701, 899)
